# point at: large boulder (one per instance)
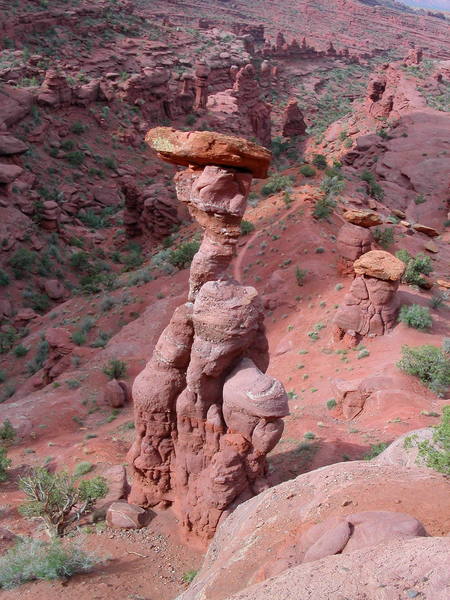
(381, 265)
(203, 148)
(269, 535)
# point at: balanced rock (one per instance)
(203, 148)
(206, 414)
(380, 264)
(363, 218)
(371, 306)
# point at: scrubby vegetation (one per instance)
(383, 236)
(115, 369)
(59, 499)
(430, 364)
(5, 463)
(32, 559)
(437, 454)
(276, 183)
(416, 316)
(416, 267)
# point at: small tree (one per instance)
(59, 499)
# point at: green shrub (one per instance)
(189, 576)
(115, 369)
(33, 366)
(438, 299)
(183, 255)
(78, 337)
(75, 158)
(420, 199)
(374, 189)
(430, 364)
(437, 455)
(331, 403)
(36, 301)
(375, 450)
(246, 227)
(416, 316)
(5, 463)
(78, 128)
(190, 119)
(22, 262)
(384, 236)
(7, 338)
(82, 468)
(20, 350)
(319, 161)
(3, 376)
(33, 559)
(416, 266)
(276, 183)
(59, 499)
(300, 275)
(307, 171)
(4, 278)
(323, 208)
(79, 261)
(7, 431)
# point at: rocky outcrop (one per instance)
(151, 211)
(352, 242)
(308, 526)
(55, 90)
(60, 348)
(371, 306)
(202, 72)
(206, 413)
(293, 120)
(413, 58)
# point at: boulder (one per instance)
(121, 515)
(362, 218)
(429, 231)
(203, 148)
(380, 264)
(9, 172)
(11, 145)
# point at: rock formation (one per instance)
(150, 210)
(206, 413)
(413, 58)
(371, 306)
(352, 242)
(293, 120)
(202, 72)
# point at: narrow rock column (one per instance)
(206, 413)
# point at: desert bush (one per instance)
(115, 369)
(438, 299)
(375, 450)
(319, 161)
(276, 183)
(437, 454)
(32, 559)
(300, 275)
(7, 431)
(183, 255)
(20, 350)
(430, 364)
(4, 278)
(416, 316)
(22, 262)
(36, 301)
(78, 128)
(79, 261)
(59, 499)
(5, 463)
(82, 468)
(383, 236)
(75, 158)
(374, 189)
(323, 208)
(246, 227)
(7, 338)
(40, 357)
(416, 266)
(307, 171)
